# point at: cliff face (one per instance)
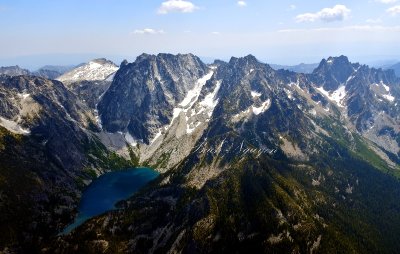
(144, 93)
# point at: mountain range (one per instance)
(396, 68)
(48, 71)
(253, 159)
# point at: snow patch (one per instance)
(386, 96)
(13, 126)
(94, 66)
(288, 93)
(98, 118)
(131, 140)
(265, 105)
(90, 71)
(255, 94)
(194, 93)
(190, 99)
(339, 95)
(350, 78)
(211, 100)
(389, 97)
(24, 95)
(296, 84)
(387, 88)
(336, 96)
(156, 137)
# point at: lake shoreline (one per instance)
(103, 193)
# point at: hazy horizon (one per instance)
(288, 32)
(34, 62)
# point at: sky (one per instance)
(34, 33)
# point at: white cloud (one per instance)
(215, 33)
(394, 10)
(337, 13)
(177, 6)
(374, 21)
(148, 31)
(241, 3)
(365, 28)
(386, 1)
(292, 7)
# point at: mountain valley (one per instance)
(252, 159)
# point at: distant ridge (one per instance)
(299, 68)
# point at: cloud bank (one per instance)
(394, 10)
(337, 13)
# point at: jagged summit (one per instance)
(144, 93)
(13, 71)
(334, 63)
(247, 59)
(146, 56)
(334, 71)
(219, 62)
(123, 63)
(248, 63)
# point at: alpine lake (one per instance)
(107, 190)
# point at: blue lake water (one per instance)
(104, 192)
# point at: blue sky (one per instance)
(283, 32)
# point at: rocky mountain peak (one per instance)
(246, 60)
(396, 69)
(97, 69)
(143, 57)
(333, 72)
(13, 71)
(102, 61)
(335, 65)
(124, 63)
(218, 62)
(342, 60)
(245, 65)
(144, 93)
(170, 61)
(52, 71)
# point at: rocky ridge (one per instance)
(262, 160)
(252, 158)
